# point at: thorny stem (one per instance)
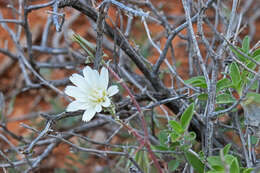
(144, 141)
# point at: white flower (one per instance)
(91, 92)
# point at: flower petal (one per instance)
(86, 71)
(106, 103)
(112, 90)
(98, 108)
(104, 78)
(88, 114)
(91, 76)
(79, 81)
(75, 92)
(76, 105)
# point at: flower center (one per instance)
(98, 96)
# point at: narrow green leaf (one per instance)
(234, 167)
(248, 170)
(195, 162)
(256, 52)
(198, 81)
(142, 159)
(187, 116)
(246, 44)
(224, 99)
(229, 159)
(218, 168)
(257, 58)
(235, 74)
(226, 149)
(85, 48)
(88, 44)
(161, 148)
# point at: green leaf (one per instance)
(234, 167)
(238, 55)
(254, 86)
(248, 170)
(240, 87)
(142, 159)
(257, 59)
(174, 145)
(84, 44)
(216, 171)
(78, 38)
(176, 127)
(195, 162)
(256, 52)
(222, 84)
(226, 149)
(229, 159)
(187, 116)
(224, 99)
(218, 168)
(203, 97)
(215, 161)
(173, 165)
(252, 98)
(191, 136)
(163, 137)
(250, 65)
(161, 148)
(254, 140)
(246, 44)
(198, 81)
(174, 136)
(235, 74)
